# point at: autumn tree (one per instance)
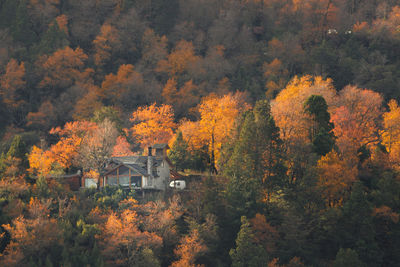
(190, 248)
(287, 107)
(125, 87)
(391, 131)
(179, 60)
(62, 69)
(86, 106)
(122, 148)
(153, 124)
(105, 44)
(12, 86)
(97, 146)
(335, 178)
(63, 154)
(154, 48)
(124, 243)
(32, 237)
(356, 120)
(44, 118)
(218, 115)
(11, 82)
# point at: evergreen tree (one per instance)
(18, 149)
(321, 134)
(178, 153)
(53, 39)
(355, 228)
(247, 252)
(269, 148)
(244, 171)
(347, 258)
(22, 28)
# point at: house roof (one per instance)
(133, 167)
(139, 160)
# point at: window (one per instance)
(124, 180)
(90, 182)
(112, 180)
(136, 181)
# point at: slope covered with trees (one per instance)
(288, 110)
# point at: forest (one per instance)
(282, 115)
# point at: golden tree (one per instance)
(336, 176)
(153, 124)
(288, 107)
(391, 132)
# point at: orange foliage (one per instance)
(40, 162)
(360, 27)
(179, 60)
(62, 22)
(190, 247)
(356, 120)
(264, 233)
(121, 148)
(336, 177)
(153, 124)
(390, 24)
(105, 43)
(115, 87)
(63, 152)
(11, 82)
(64, 67)
(218, 116)
(154, 47)
(43, 117)
(121, 238)
(88, 104)
(30, 236)
(391, 132)
(386, 212)
(183, 99)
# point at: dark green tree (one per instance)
(355, 228)
(321, 133)
(269, 148)
(52, 40)
(22, 28)
(244, 170)
(179, 153)
(247, 252)
(347, 258)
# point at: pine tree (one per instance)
(247, 252)
(22, 28)
(53, 39)
(347, 258)
(178, 153)
(321, 133)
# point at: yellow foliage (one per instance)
(336, 177)
(153, 124)
(288, 107)
(391, 132)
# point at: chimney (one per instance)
(149, 162)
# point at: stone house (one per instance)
(150, 172)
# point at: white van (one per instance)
(178, 184)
